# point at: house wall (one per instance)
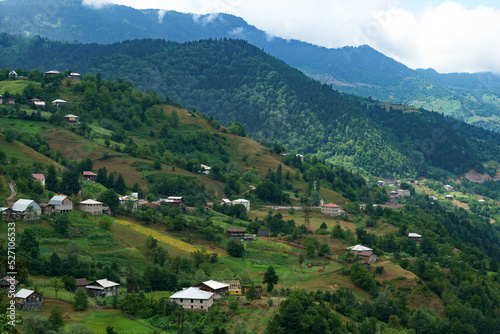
(195, 304)
(93, 209)
(330, 211)
(32, 303)
(66, 207)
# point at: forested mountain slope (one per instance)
(474, 98)
(233, 81)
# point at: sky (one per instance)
(449, 36)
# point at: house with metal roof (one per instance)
(9, 283)
(59, 103)
(102, 288)
(29, 300)
(61, 204)
(40, 178)
(91, 206)
(242, 201)
(415, 236)
(26, 209)
(358, 248)
(213, 286)
(194, 298)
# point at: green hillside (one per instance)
(233, 81)
(140, 142)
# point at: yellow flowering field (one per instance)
(158, 236)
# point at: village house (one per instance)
(7, 100)
(36, 103)
(51, 73)
(29, 300)
(244, 202)
(91, 206)
(81, 283)
(234, 287)
(205, 169)
(194, 299)
(448, 197)
(7, 282)
(102, 288)
(72, 119)
(448, 187)
(359, 248)
(245, 288)
(59, 103)
(62, 204)
(129, 201)
(225, 201)
(89, 176)
(26, 209)
(367, 256)
(215, 287)
(415, 236)
(403, 192)
(381, 183)
(7, 214)
(331, 209)
(264, 232)
(47, 209)
(75, 76)
(40, 178)
(235, 233)
(174, 200)
(13, 75)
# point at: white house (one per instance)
(448, 187)
(415, 236)
(91, 206)
(359, 248)
(244, 202)
(27, 209)
(62, 204)
(58, 103)
(330, 209)
(131, 201)
(194, 299)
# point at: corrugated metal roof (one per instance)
(38, 176)
(24, 293)
(57, 200)
(331, 205)
(192, 293)
(414, 235)
(216, 285)
(359, 248)
(90, 201)
(104, 283)
(23, 204)
(241, 200)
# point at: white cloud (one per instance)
(447, 36)
(97, 3)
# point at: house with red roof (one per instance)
(40, 178)
(331, 209)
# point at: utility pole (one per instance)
(180, 323)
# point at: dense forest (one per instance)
(233, 81)
(361, 70)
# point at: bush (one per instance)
(235, 248)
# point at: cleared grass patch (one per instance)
(24, 154)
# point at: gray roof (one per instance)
(192, 293)
(57, 200)
(24, 293)
(104, 283)
(23, 204)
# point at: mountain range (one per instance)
(473, 98)
(233, 81)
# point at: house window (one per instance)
(202, 307)
(191, 306)
(201, 301)
(192, 300)
(181, 300)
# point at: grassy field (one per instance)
(23, 153)
(96, 319)
(15, 86)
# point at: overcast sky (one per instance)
(449, 36)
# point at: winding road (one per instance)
(13, 192)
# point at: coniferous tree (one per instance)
(51, 180)
(102, 176)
